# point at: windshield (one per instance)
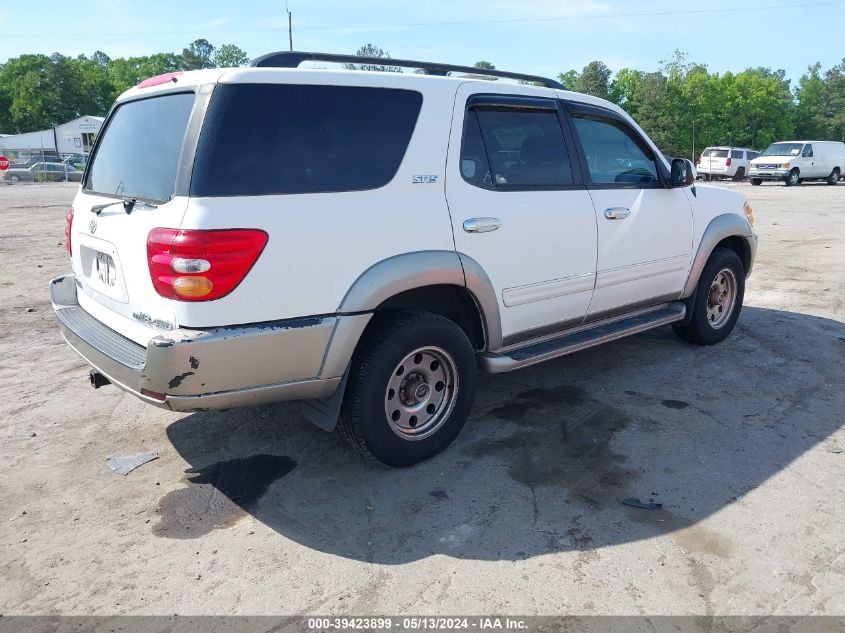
(138, 155)
(784, 149)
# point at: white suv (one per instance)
(367, 241)
(725, 162)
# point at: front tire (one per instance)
(833, 178)
(718, 299)
(411, 388)
(793, 178)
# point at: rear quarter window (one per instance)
(138, 155)
(264, 139)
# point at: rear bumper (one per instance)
(217, 368)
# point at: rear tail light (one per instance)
(68, 227)
(727, 162)
(191, 265)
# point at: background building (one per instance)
(73, 137)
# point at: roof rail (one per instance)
(292, 59)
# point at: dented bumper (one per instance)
(216, 368)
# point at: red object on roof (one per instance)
(158, 80)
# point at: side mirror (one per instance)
(682, 174)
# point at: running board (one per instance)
(583, 338)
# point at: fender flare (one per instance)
(408, 271)
(721, 227)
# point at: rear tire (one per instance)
(739, 176)
(705, 177)
(792, 179)
(411, 388)
(718, 299)
(833, 178)
(756, 181)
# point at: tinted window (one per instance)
(719, 153)
(525, 148)
(808, 151)
(705, 153)
(138, 155)
(736, 153)
(261, 139)
(475, 168)
(614, 154)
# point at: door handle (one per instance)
(481, 225)
(617, 213)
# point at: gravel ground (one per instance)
(255, 511)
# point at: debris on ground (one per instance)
(125, 464)
(643, 505)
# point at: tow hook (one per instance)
(97, 379)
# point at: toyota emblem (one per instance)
(93, 226)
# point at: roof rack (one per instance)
(292, 59)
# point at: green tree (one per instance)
(810, 97)
(834, 111)
(649, 104)
(568, 79)
(625, 85)
(594, 80)
(230, 56)
(27, 90)
(197, 56)
(485, 65)
(371, 50)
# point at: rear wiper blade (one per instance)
(128, 203)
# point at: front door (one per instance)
(520, 209)
(644, 228)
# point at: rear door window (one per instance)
(526, 148)
(263, 139)
(138, 154)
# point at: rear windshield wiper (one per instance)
(128, 203)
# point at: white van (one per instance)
(725, 162)
(793, 162)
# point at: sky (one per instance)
(529, 36)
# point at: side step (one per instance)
(583, 338)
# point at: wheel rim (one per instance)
(421, 393)
(793, 178)
(721, 298)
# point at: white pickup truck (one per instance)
(368, 241)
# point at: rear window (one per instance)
(138, 154)
(262, 139)
(719, 153)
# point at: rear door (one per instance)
(139, 156)
(644, 229)
(520, 209)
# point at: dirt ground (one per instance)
(255, 511)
